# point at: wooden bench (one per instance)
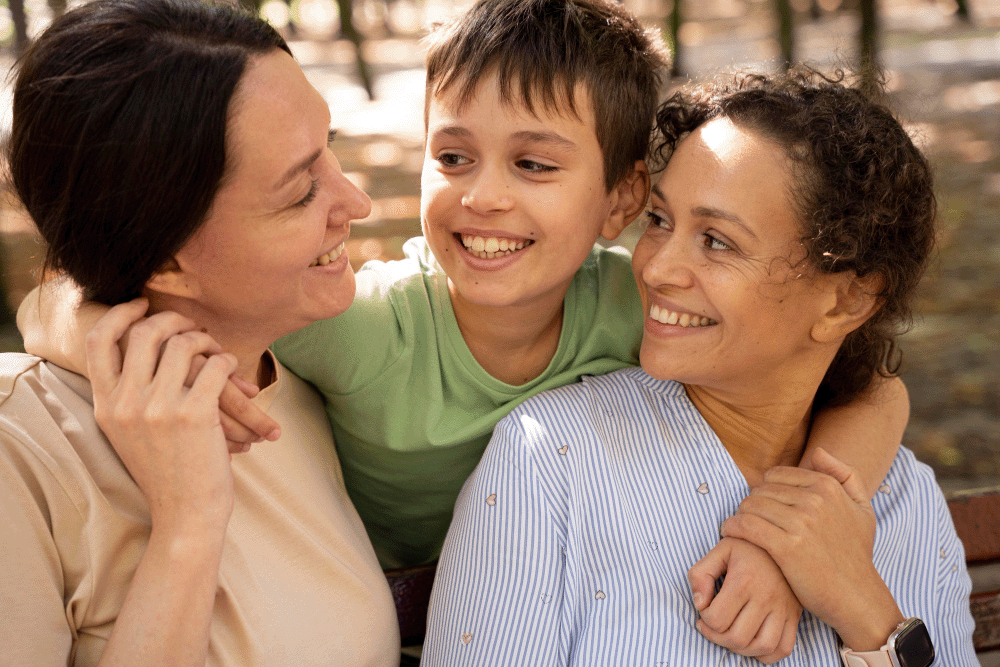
(977, 520)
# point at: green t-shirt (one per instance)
(411, 408)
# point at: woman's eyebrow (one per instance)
(719, 214)
(298, 169)
(709, 212)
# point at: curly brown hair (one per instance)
(862, 192)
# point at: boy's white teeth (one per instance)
(664, 316)
(331, 256)
(489, 247)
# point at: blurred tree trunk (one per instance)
(58, 8)
(815, 11)
(963, 11)
(868, 52)
(786, 32)
(6, 312)
(347, 28)
(673, 32)
(20, 20)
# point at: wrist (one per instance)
(909, 645)
(871, 619)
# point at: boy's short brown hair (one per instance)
(546, 48)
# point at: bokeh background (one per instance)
(943, 63)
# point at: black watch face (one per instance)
(913, 645)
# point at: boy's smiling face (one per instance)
(512, 202)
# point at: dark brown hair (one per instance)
(541, 49)
(863, 194)
(118, 144)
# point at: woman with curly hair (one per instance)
(786, 235)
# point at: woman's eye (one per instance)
(452, 160)
(313, 189)
(716, 244)
(533, 167)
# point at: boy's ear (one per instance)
(172, 280)
(854, 300)
(628, 199)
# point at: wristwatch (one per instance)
(909, 645)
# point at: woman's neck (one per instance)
(246, 343)
(757, 436)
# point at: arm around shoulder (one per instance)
(54, 320)
(865, 433)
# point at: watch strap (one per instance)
(879, 658)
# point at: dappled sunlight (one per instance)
(943, 74)
(972, 97)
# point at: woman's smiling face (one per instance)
(728, 300)
(269, 259)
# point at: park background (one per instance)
(943, 65)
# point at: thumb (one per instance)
(825, 462)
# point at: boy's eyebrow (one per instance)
(524, 135)
(709, 212)
(547, 137)
(453, 131)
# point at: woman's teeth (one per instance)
(331, 256)
(492, 246)
(664, 316)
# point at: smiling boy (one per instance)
(538, 116)
(505, 296)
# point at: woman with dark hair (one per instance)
(786, 235)
(173, 150)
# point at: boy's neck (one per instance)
(514, 344)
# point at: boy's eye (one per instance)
(657, 220)
(452, 160)
(533, 167)
(313, 189)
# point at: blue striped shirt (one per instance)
(572, 540)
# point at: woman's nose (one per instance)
(488, 191)
(358, 204)
(352, 202)
(670, 265)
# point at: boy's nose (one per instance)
(488, 192)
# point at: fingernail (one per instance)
(246, 447)
(274, 435)
(699, 599)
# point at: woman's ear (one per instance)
(628, 199)
(172, 280)
(855, 300)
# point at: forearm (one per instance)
(865, 433)
(54, 321)
(167, 613)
